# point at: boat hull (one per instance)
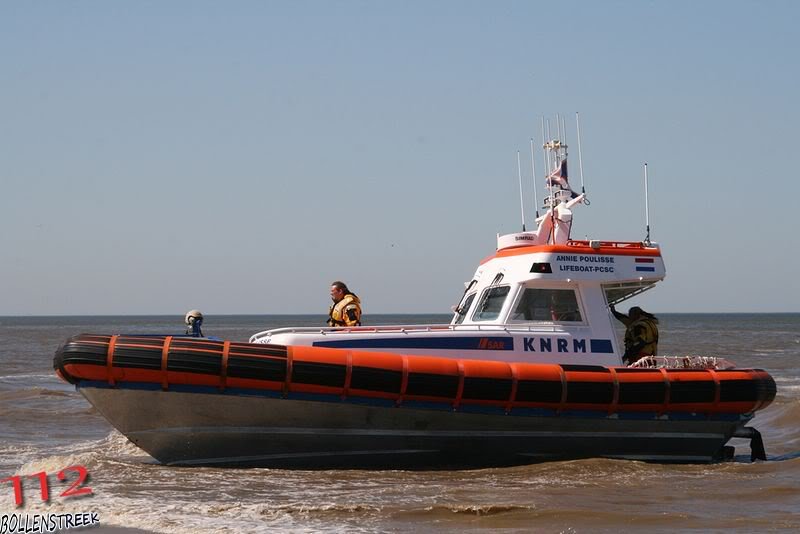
(209, 428)
(189, 401)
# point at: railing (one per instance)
(610, 244)
(683, 362)
(407, 329)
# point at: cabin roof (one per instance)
(617, 248)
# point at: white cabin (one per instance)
(525, 303)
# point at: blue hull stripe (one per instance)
(448, 342)
(602, 346)
(599, 346)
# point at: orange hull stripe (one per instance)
(110, 359)
(608, 381)
(630, 250)
(164, 358)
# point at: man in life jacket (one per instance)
(641, 333)
(346, 307)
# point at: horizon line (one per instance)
(366, 314)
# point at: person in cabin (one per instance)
(561, 310)
(641, 333)
(346, 307)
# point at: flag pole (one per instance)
(521, 200)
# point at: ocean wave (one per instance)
(783, 415)
(172, 500)
(32, 392)
(24, 377)
(785, 380)
(477, 509)
(14, 455)
(86, 453)
(176, 516)
(308, 509)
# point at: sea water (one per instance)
(46, 426)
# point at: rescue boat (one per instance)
(528, 369)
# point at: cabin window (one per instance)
(463, 308)
(491, 303)
(551, 305)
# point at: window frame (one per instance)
(465, 313)
(484, 294)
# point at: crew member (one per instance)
(346, 307)
(641, 333)
(194, 322)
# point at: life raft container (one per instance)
(167, 362)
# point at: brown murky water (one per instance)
(45, 426)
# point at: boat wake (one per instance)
(113, 448)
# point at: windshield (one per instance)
(463, 308)
(491, 303)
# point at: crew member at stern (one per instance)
(346, 307)
(641, 333)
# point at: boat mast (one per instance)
(555, 154)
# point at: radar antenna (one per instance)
(646, 208)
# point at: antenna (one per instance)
(558, 126)
(646, 207)
(521, 201)
(544, 152)
(580, 158)
(549, 170)
(533, 171)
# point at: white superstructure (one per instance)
(541, 297)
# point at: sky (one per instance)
(238, 157)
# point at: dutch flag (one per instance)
(645, 268)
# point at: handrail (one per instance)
(408, 329)
(610, 244)
(690, 361)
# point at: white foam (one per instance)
(114, 445)
(14, 378)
